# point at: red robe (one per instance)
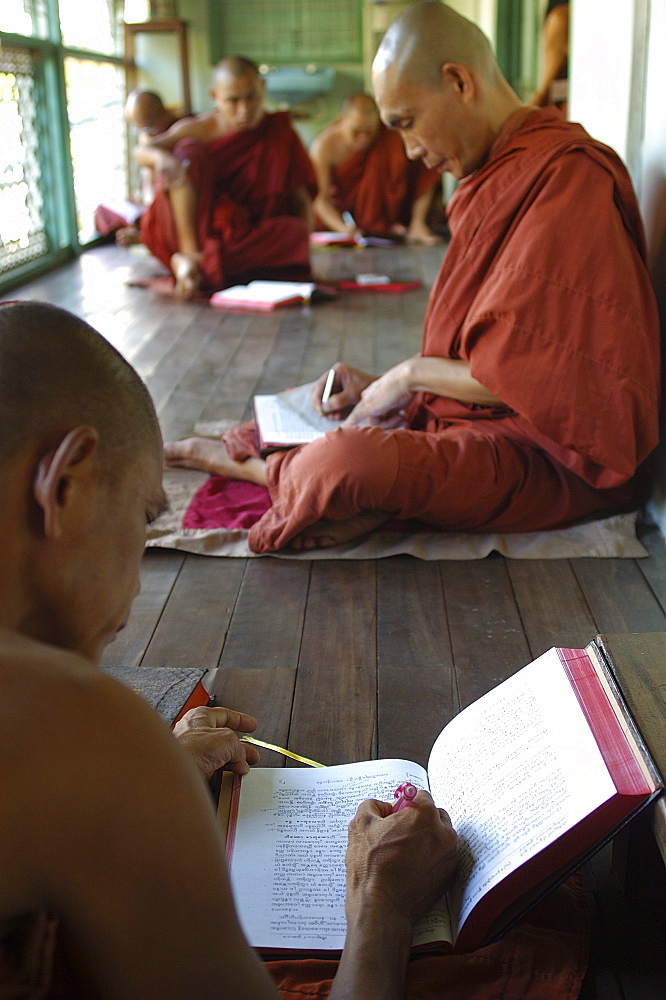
(379, 185)
(545, 292)
(247, 227)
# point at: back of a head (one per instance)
(57, 373)
(427, 35)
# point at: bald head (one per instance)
(359, 121)
(238, 92)
(427, 35)
(57, 373)
(436, 81)
(144, 109)
(234, 67)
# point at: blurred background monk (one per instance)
(362, 170)
(145, 111)
(237, 188)
(534, 398)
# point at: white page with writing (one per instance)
(287, 867)
(515, 770)
(282, 424)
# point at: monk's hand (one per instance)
(211, 737)
(383, 401)
(399, 862)
(169, 170)
(348, 385)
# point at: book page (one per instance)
(515, 770)
(282, 424)
(287, 867)
(266, 292)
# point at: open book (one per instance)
(536, 775)
(288, 419)
(266, 295)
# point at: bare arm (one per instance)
(398, 865)
(449, 377)
(556, 51)
(323, 205)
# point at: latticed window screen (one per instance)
(22, 230)
(292, 30)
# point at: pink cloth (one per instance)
(225, 503)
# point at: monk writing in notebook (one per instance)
(362, 170)
(534, 398)
(237, 189)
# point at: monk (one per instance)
(362, 171)
(237, 189)
(145, 112)
(114, 881)
(534, 398)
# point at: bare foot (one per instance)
(325, 534)
(128, 236)
(211, 456)
(422, 236)
(186, 269)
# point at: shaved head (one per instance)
(427, 35)
(57, 373)
(360, 104)
(144, 109)
(234, 67)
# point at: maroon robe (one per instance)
(247, 224)
(544, 291)
(379, 185)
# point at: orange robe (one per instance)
(245, 183)
(379, 185)
(544, 291)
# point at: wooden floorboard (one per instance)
(347, 660)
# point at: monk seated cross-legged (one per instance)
(362, 171)
(534, 398)
(237, 188)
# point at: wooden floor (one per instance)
(349, 660)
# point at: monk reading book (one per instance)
(534, 398)
(114, 880)
(364, 175)
(237, 189)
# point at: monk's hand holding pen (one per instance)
(383, 401)
(402, 861)
(345, 390)
(211, 736)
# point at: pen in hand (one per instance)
(328, 388)
(405, 794)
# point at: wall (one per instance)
(618, 83)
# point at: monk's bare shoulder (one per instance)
(65, 729)
(329, 147)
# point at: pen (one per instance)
(404, 793)
(348, 220)
(330, 379)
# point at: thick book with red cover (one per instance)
(536, 775)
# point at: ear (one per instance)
(59, 474)
(458, 77)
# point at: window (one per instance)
(61, 113)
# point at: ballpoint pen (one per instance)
(328, 388)
(405, 794)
